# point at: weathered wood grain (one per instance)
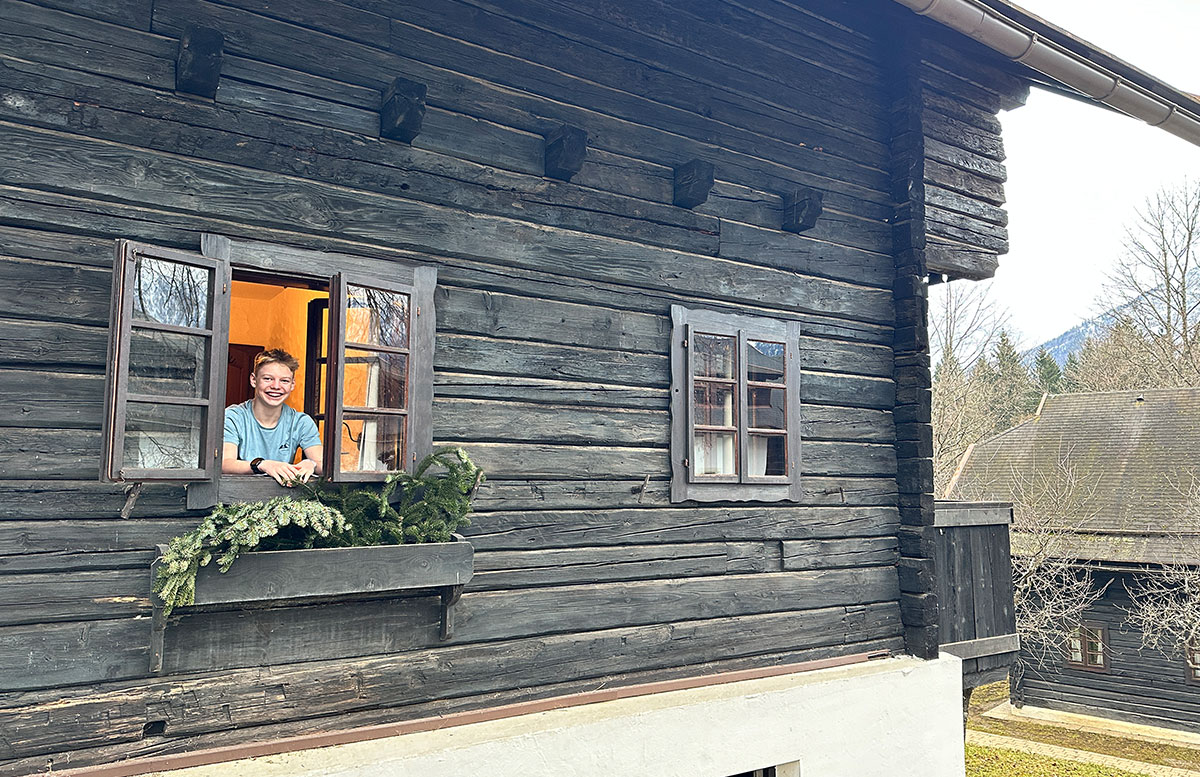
(363, 66)
(36, 154)
(598, 494)
(160, 745)
(40, 34)
(840, 553)
(48, 655)
(71, 500)
(36, 290)
(116, 712)
(565, 423)
(73, 596)
(256, 139)
(502, 570)
(543, 528)
(508, 461)
(656, 77)
(71, 561)
(134, 14)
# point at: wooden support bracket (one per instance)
(693, 182)
(566, 147)
(402, 110)
(198, 64)
(450, 596)
(801, 209)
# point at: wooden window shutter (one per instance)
(379, 379)
(165, 392)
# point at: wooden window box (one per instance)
(283, 576)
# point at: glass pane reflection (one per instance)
(170, 292)
(767, 454)
(375, 379)
(376, 317)
(714, 404)
(373, 443)
(167, 364)
(162, 436)
(765, 361)
(713, 453)
(713, 355)
(767, 408)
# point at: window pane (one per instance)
(170, 293)
(768, 455)
(167, 364)
(376, 317)
(374, 379)
(1076, 653)
(714, 404)
(373, 444)
(713, 454)
(765, 361)
(712, 356)
(767, 408)
(162, 436)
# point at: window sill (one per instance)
(233, 489)
(279, 577)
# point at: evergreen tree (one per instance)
(1014, 395)
(1070, 375)
(1047, 376)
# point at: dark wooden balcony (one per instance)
(973, 570)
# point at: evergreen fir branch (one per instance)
(426, 506)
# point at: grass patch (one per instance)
(988, 696)
(992, 762)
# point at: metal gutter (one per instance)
(1049, 50)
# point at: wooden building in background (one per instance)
(660, 267)
(1124, 466)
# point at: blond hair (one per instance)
(275, 356)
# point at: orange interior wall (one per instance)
(274, 317)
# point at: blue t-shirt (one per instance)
(294, 430)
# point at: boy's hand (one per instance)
(305, 469)
(281, 471)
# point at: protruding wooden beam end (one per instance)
(198, 64)
(693, 182)
(566, 147)
(402, 110)
(801, 209)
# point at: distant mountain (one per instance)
(1071, 341)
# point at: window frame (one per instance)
(208, 486)
(1084, 630)
(117, 394)
(417, 413)
(739, 486)
(1192, 670)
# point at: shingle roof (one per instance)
(1121, 465)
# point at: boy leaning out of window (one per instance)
(263, 433)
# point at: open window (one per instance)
(185, 327)
(735, 407)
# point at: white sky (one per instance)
(1077, 172)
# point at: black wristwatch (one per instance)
(254, 466)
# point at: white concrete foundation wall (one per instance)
(891, 718)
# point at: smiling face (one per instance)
(272, 384)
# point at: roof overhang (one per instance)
(1080, 67)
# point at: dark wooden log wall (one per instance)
(964, 86)
(1141, 686)
(552, 356)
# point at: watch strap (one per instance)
(254, 466)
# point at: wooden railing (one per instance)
(973, 569)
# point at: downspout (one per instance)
(1021, 45)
